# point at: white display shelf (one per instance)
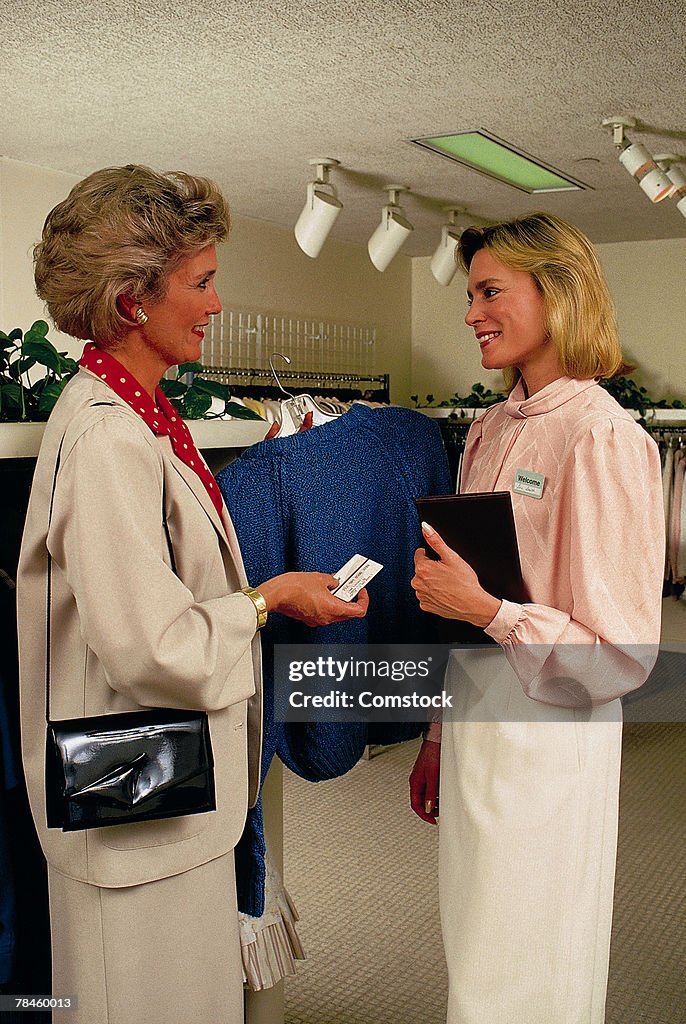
(663, 417)
(22, 440)
(227, 433)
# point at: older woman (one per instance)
(144, 922)
(529, 773)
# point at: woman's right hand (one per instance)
(307, 597)
(424, 780)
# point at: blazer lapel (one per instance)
(222, 524)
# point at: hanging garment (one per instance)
(667, 478)
(675, 514)
(270, 944)
(680, 550)
(309, 502)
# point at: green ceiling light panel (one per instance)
(490, 155)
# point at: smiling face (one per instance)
(176, 323)
(174, 330)
(507, 314)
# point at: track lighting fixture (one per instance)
(320, 210)
(443, 264)
(392, 232)
(638, 161)
(669, 162)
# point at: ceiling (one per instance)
(248, 92)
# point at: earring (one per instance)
(141, 317)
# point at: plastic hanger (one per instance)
(295, 408)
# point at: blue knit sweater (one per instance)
(309, 502)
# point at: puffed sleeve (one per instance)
(612, 545)
(154, 640)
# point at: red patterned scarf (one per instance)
(160, 415)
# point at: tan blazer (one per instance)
(127, 632)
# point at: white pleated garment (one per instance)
(270, 944)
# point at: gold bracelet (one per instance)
(260, 605)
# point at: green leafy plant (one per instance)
(21, 398)
(630, 395)
(626, 391)
(194, 400)
(478, 398)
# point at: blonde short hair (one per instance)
(580, 314)
(122, 230)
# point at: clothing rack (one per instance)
(244, 381)
(665, 431)
(454, 433)
(670, 434)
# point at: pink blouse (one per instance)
(592, 545)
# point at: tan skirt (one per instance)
(527, 850)
(166, 952)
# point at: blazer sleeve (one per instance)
(606, 643)
(154, 640)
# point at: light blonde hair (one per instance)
(122, 230)
(581, 320)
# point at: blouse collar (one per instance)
(552, 396)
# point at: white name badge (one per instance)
(529, 483)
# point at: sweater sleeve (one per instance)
(156, 643)
(612, 538)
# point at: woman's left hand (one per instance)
(449, 587)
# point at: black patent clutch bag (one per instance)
(124, 768)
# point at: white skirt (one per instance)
(527, 849)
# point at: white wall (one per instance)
(445, 356)
(27, 194)
(647, 281)
(262, 269)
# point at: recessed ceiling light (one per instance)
(488, 154)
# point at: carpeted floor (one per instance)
(362, 870)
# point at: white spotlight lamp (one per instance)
(320, 211)
(638, 161)
(669, 163)
(443, 265)
(392, 232)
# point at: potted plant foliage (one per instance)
(22, 398)
(626, 391)
(27, 396)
